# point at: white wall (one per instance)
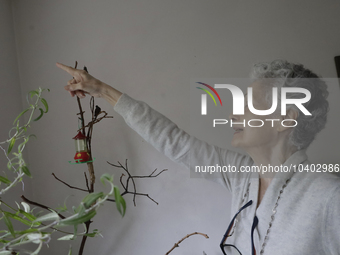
(10, 97)
(150, 49)
(10, 86)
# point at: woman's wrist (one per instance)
(110, 94)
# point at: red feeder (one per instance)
(81, 150)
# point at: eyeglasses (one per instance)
(229, 249)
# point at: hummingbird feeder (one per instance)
(82, 156)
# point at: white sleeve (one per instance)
(331, 231)
(176, 144)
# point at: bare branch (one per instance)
(92, 175)
(83, 240)
(87, 182)
(142, 194)
(121, 181)
(127, 181)
(40, 205)
(68, 185)
(96, 120)
(187, 236)
(130, 177)
(134, 193)
(151, 175)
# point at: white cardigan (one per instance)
(307, 220)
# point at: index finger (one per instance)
(66, 68)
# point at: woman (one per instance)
(276, 213)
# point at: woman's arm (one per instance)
(84, 83)
(330, 233)
(160, 131)
(176, 144)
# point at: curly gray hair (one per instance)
(285, 74)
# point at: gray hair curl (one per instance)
(285, 74)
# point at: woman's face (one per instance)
(247, 137)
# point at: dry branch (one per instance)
(187, 236)
(131, 177)
(68, 185)
(40, 205)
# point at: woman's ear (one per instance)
(292, 114)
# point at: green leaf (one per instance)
(45, 104)
(18, 218)
(106, 177)
(26, 207)
(9, 224)
(70, 251)
(18, 127)
(9, 165)
(4, 241)
(41, 114)
(33, 92)
(92, 198)
(21, 146)
(23, 112)
(11, 144)
(5, 180)
(48, 217)
(79, 220)
(91, 234)
(66, 238)
(5, 252)
(26, 171)
(120, 202)
(74, 209)
(94, 233)
(75, 230)
(81, 210)
(62, 208)
(35, 237)
(31, 230)
(27, 215)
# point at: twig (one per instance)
(90, 126)
(140, 194)
(87, 182)
(121, 181)
(95, 121)
(81, 112)
(68, 185)
(187, 236)
(127, 181)
(88, 144)
(131, 177)
(40, 205)
(135, 193)
(92, 175)
(82, 245)
(90, 188)
(133, 182)
(151, 175)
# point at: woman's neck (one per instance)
(271, 156)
